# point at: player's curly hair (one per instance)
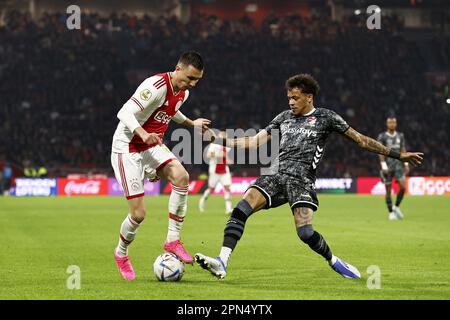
(305, 82)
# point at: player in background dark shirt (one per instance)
(304, 130)
(393, 168)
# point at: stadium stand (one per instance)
(61, 89)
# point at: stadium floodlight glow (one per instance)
(448, 100)
(357, 12)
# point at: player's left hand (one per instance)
(414, 158)
(202, 123)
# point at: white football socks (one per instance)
(225, 254)
(227, 197)
(177, 212)
(126, 236)
(206, 194)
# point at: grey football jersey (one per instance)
(303, 138)
(394, 141)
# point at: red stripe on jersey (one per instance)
(138, 103)
(158, 84)
(122, 176)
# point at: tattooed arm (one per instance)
(372, 145)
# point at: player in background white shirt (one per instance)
(219, 172)
(137, 150)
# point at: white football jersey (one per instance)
(151, 107)
(218, 163)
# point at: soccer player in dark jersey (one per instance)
(303, 130)
(393, 168)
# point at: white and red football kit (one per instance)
(218, 167)
(151, 107)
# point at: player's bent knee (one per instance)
(181, 177)
(305, 232)
(138, 214)
(255, 198)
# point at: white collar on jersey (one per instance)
(309, 113)
(391, 135)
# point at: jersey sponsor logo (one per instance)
(302, 131)
(145, 94)
(163, 117)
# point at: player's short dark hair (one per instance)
(303, 81)
(192, 58)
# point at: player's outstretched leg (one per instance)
(306, 233)
(388, 199)
(232, 234)
(227, 197)
(401, 193)
(201, 203)
(178, 176)
(213, 265)
(127, 234)
(234, 228)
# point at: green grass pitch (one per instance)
(41, 237)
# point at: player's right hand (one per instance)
(151, 138)
(414, 158)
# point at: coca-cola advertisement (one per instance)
(82, 187)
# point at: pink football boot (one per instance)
(125, 267)
(177, 248)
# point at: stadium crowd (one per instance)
(61, 89)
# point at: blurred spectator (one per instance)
(6, 178)
(61, 89)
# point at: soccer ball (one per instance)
(168, 267)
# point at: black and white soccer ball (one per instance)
(168, 267)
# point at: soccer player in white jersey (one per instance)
(219, 172)
(137, 148)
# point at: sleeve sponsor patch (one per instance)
(145, 94)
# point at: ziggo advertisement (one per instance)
(417, 186)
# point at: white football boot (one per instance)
(213, 265)
(201, 205)
(397, 212)
(392, 216)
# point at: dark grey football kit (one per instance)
(302, 145)
(396, 168)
